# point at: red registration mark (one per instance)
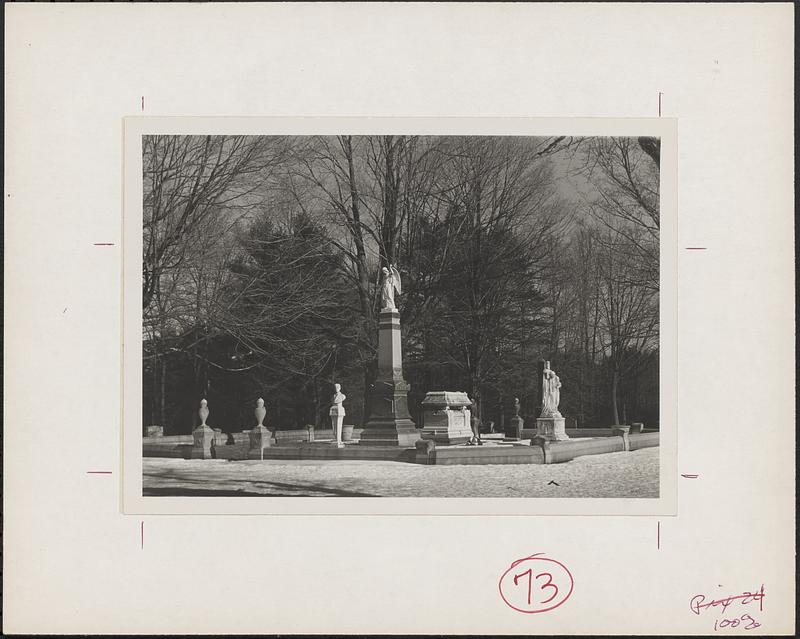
(536, 584)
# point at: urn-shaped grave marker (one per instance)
(203, 435)
(260, 435)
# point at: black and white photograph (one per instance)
(399, 318)
(396, 315)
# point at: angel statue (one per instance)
(551, 393)
(391, 283)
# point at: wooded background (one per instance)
(262, 253)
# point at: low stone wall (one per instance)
(181, 451)
(448, 456)
(644, 440)
(281, 435)
(588, 432)
(172, 440)
(301, 435)
(169, 439)
(601, 432)
(181, 445)
(557, 452)
(326, 451)
(425, 453)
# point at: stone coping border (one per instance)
(426, 452)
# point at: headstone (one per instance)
(550, 425)
(203, 435)
(446, 417)
(260, 436)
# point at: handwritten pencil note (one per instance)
(732, 611)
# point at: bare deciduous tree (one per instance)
(188, 179)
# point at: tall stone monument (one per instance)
(389, 422)
(550, 425)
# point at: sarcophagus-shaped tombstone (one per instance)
(446, 417)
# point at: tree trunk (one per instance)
(390, 193)
(162, 412)
(154, 393)
(502, 419)
(361, 268)
(614, 384)
(316, 404)
(475, 393)
(356, 231)
(365, 410)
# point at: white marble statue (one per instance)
(338, 397)
(337, 414)
(551, 395)
(391, 283)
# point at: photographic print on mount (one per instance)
(391, 314)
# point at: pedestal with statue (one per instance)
(337, 415)
(260, 436)
(550, 426)
(389, 422)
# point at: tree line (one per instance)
(262, 253)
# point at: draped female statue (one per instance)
(551, 395)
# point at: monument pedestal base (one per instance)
(453, 433)
(203, 439)
(389, 422)
(337, 417)
(401, 433)
(513, 429)
(260, 437)
(552, 429)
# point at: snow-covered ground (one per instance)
(631, 474)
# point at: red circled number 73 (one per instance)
(531, 579)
